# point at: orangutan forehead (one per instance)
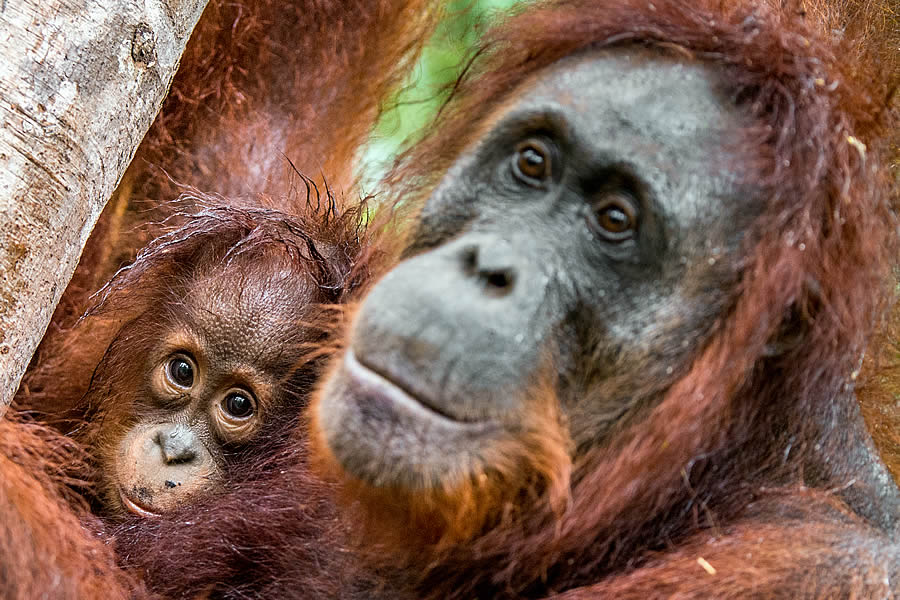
(633, 95)
(256, 306)
(668, 120)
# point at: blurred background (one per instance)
(417, 102)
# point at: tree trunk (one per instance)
(80, 83)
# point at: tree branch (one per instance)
(80, 83)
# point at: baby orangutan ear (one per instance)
(160, 467)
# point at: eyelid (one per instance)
(529, 123)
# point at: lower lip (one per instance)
(136, 508)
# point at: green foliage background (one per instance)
(416, 103)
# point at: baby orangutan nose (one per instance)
(162, 467)
(177, 444)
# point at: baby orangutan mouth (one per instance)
(133, 506)
(162, 467)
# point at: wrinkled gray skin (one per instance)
(506, 276)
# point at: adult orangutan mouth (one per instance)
(387, 389)
(134, 507)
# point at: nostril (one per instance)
(489, 267)
(499, 281)
(184, 455)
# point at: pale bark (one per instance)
(80, 83)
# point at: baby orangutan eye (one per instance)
(238, 405)
(237, 415)
(180, 371)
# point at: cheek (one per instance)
(637, 353)
(106, 441)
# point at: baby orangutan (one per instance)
(184, 385)
(202, 374)
(207, 348)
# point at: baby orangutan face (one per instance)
(201, 381)
(179, 452)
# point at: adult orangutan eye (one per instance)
(532, 162)
(614, 217)
(180, 371)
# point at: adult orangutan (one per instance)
(617, 358)
(190, 378)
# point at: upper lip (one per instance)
(387, 379)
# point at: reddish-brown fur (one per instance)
(267, 90)
(879, 391)
(714, 472)
(630, 527)
(225, 543)
(47, 552)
